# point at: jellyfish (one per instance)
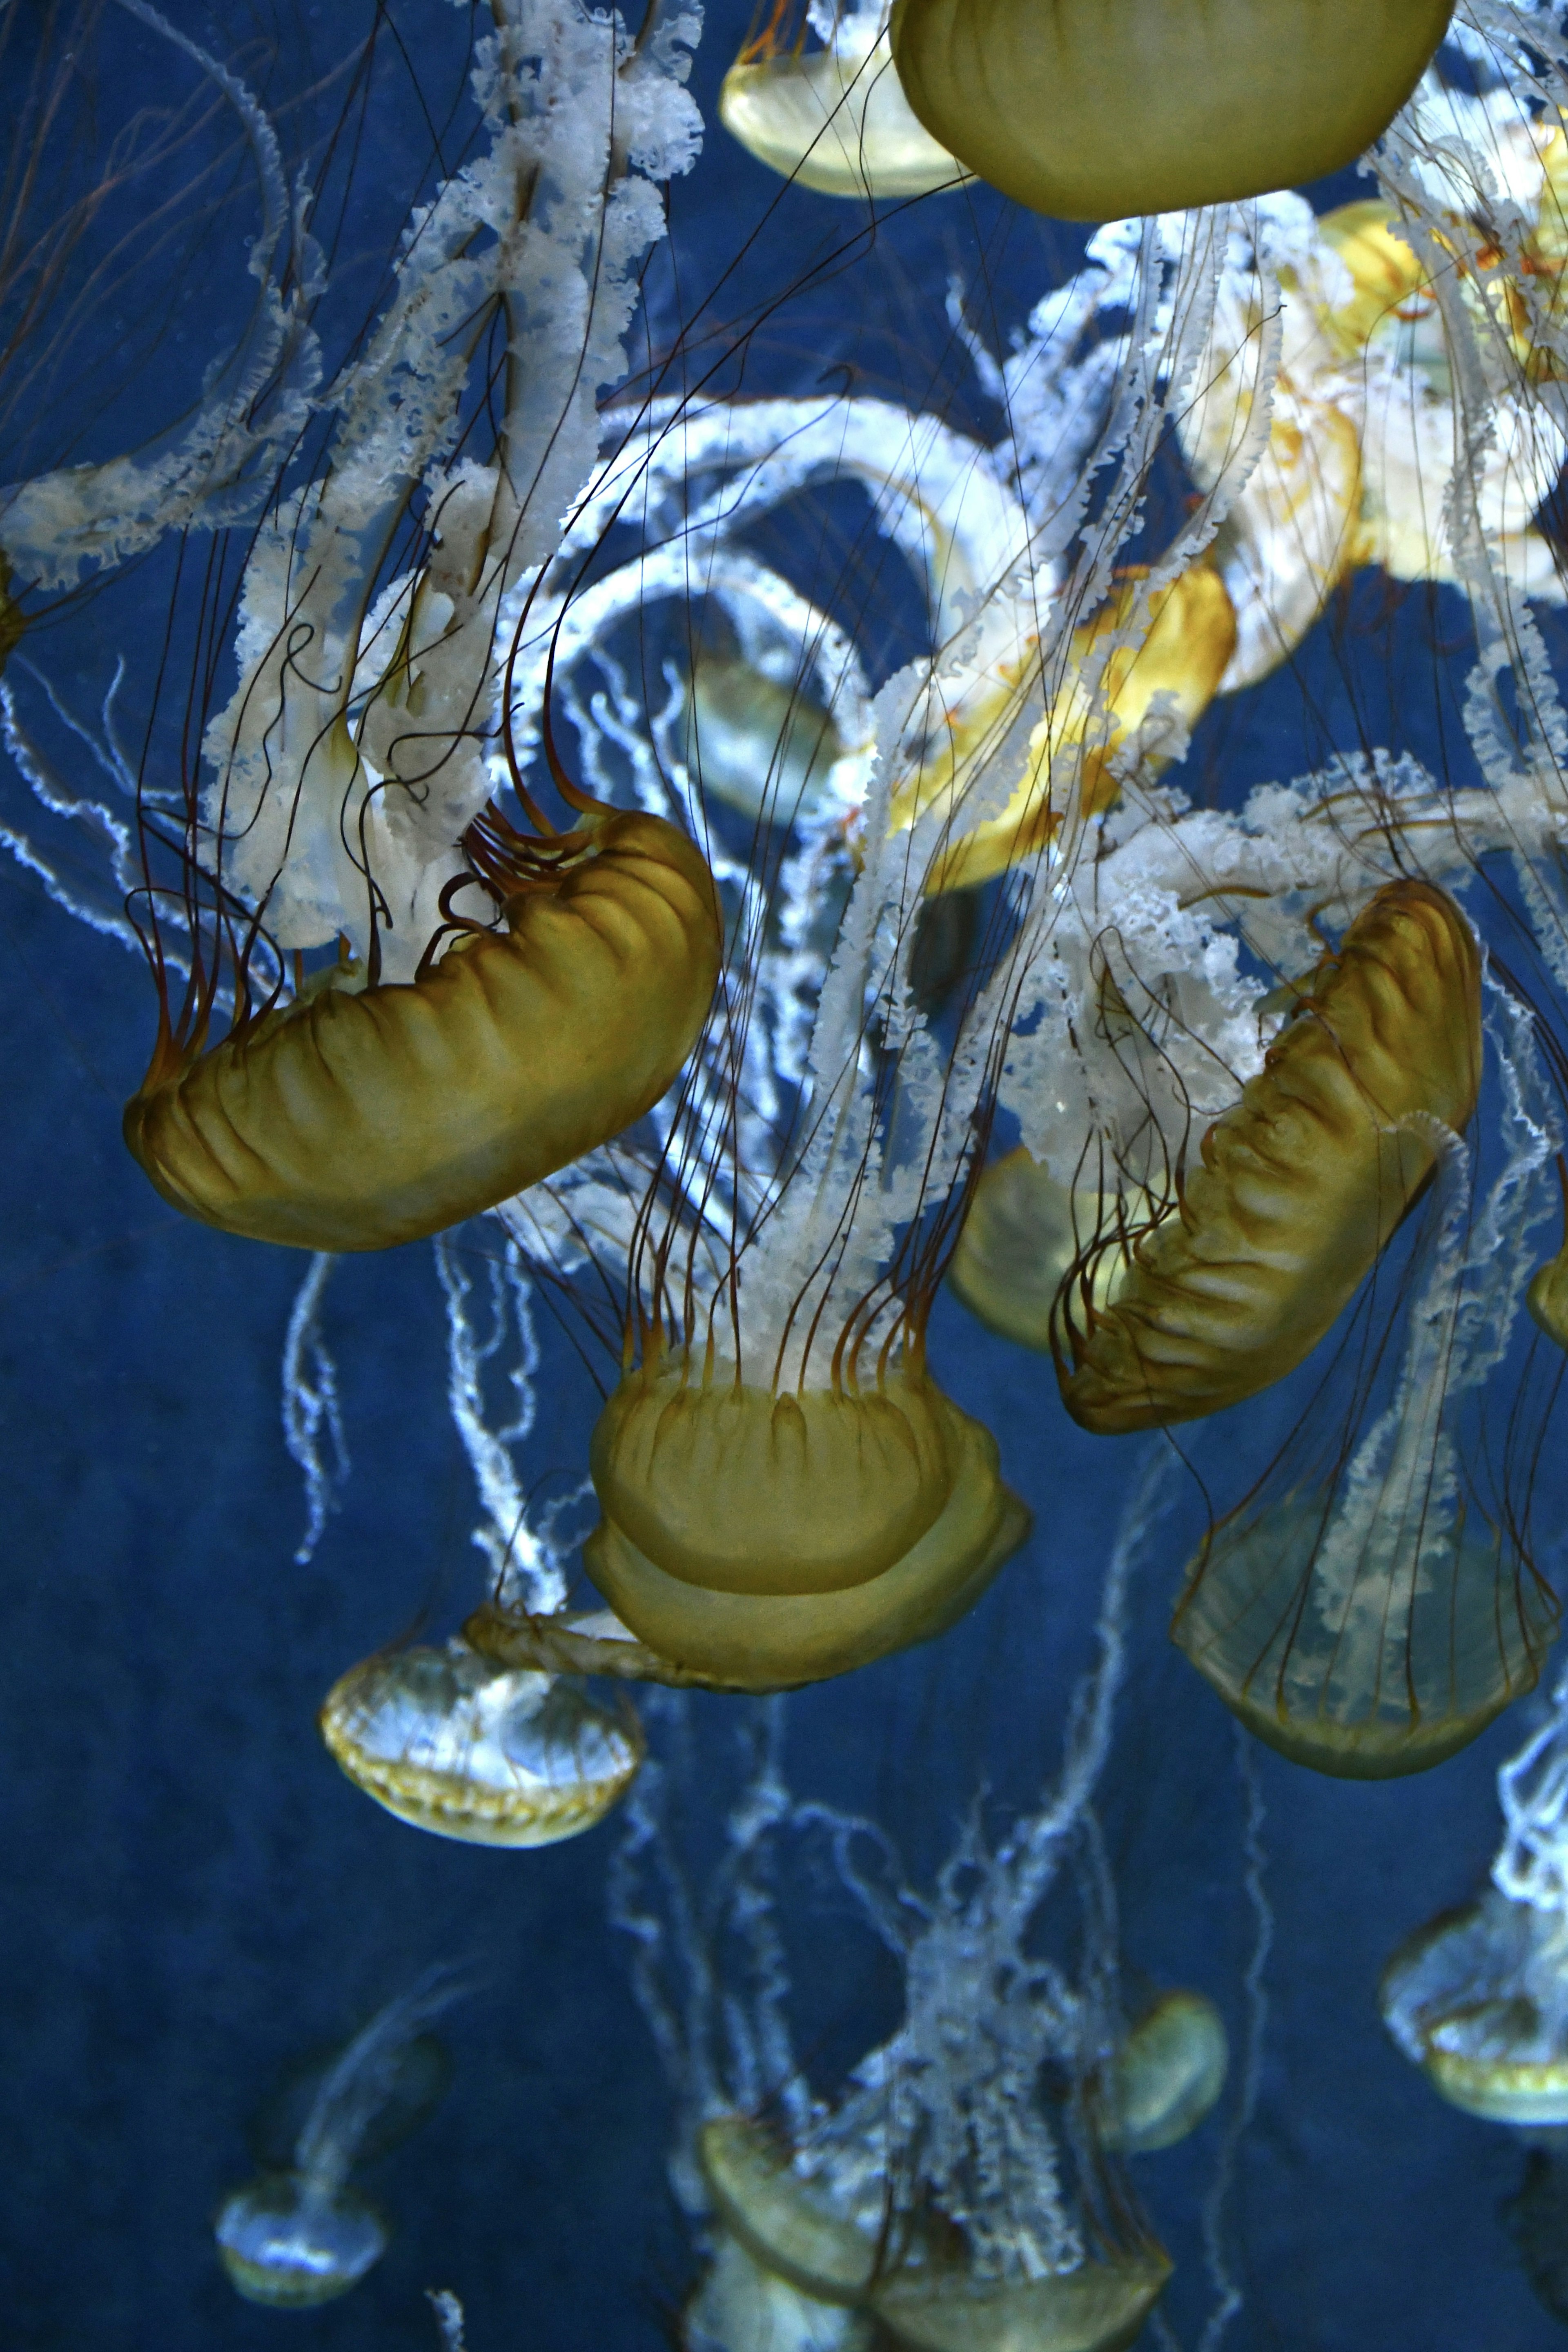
(301, 2234)
(1091, 114)
(1300, 1185)
(1373, 1623)
(444, 1058)
(450, 1740)
(1479, 1997)
(1022, 1236)
(743, 2307)
(835, 118)
(1168, 2075)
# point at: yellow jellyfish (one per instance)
(834, 119)
(1099, 2307)
(1167, 2077)
(451, 1742)
(763, 1540)
(1023, 1233)
(1299, 1186)
(756, 743)
(302, 2235)
(1181, 656)
(352, 1120)
(1547, 1297)
(1092, 110)
(783, 2222)
(1468, 1999)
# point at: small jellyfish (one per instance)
(302, 2235)
(451, 1742)
(834, 119)
(786, 2223)
(756, 742)
(1167, 2075)
(354, 1118)
(743, 2306)
(766, 1539)
(1301, 1184)
(1092, 110)
(1023, 1233)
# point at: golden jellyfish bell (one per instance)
(449, 1741)
(1093, 110)
(1547, 1297)
(348, 1122)
(1099, 2307)
(1386, 279)
(1181, 656)
(1301, 1184)
(1328, 1646)
(1452, 1997)
(1168, 2075)
(741, 2306)
(782, 2220)
(284, 2246)
(836, 120)
(1022, 1236)
(764, 1540)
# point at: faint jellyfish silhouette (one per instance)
(1167, 2075)
(1479, 1997)
(1370, 1622)
(1021, 1238)
(835, 118)
(301, 2234)
(448, 1739)
(1093, 113)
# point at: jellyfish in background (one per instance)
(401, 1088)
(447, 1739)
(835, 118)
(935, 2194)
(301, 2234)
(1478, 1999)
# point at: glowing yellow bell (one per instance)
(836, 120)
(1167, 2077)
(1099, 2307)
(781, 2219)
(1092, 110)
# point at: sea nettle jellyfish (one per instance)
(448, 1055)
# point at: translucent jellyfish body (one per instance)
(351, 1121)
(1099, 2307)
(1299, 1185)
(756, 742)
(1023, 1233)
(743, 2306)
(1479, 2000)
(1092, 112)
(1167, 2077)
(451, 1742)
(835, 118)
(764, 1539)
(304, 2235)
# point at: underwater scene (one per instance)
(785, 904)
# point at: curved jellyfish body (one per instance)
(741, 2306)
(451, 1743)
(354, 1121)
(756, 743)
(1101, 2306)
(1462, 1997)
(764, 1540)
(837, 119)
(1167, 2075)
(281, 2246)
(1547, 1297)
(1301, 1184)
(1362, 1643)
(781, 2221)
(1022, 1236)
(1092, 110)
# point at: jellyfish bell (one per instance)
(1023, 1233)
(785, 2222)
(1469, 1998)
(490, 1755)
(284, 2246)
(758, 744)
(834, 119)
(354, 1121)
(1096, 111)
(1099, 2306)
(765, 1539)
(1301, 1184)
(1167, 2075)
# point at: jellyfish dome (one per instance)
(835, 118)
(281, 2245)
